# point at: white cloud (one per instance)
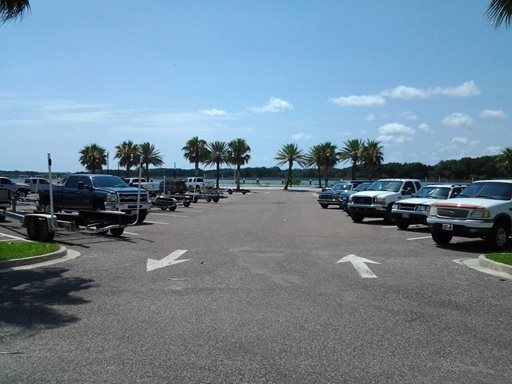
(274, 104)
(458, 120)
(424, 127)
(370, 117)
(359, 101)
(395, 132)
(301, 136)
(408, 115)
(214, 112)
(493, 114)
(494, 150)
(466, 89)
(406, 93)
(460, 140)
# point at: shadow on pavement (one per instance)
(30, 299)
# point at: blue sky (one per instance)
(430, 80)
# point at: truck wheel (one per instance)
(116, 232)
(356, 218)
(387, 216)
(215, 199)
(186, 203)
(195, 199)
(33, 229)
(497, 238)
(142, 217)
(45, 234)
(163, 207)
(208, 199)
(244, 192)
(402, 225)
(230, 191)
(441, 238)
(172, 208)
(324, 206)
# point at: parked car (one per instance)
(16, 188)
(378, 201)
(483, 209)
(344, 196)
(331, 196)
(173, 187)
(35, 183)
(416, 209)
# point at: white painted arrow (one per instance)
(359, 264)
(167, 260)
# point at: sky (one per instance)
(430, 80)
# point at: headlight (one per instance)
(350, 199)
(423, 208)
(380, 200)
(480, 213)
(433, 211)
(111, 197)
(395, 206)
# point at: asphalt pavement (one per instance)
(264, 287)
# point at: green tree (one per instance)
(195, 151)
(289, 154)
(13, 9)
(504, 162)
(372, 156)
(352, 151)
(325, 156)
(314, 159)
(217, 154)
(500, 12)
(93, 157)
(128, 154)
(149, 156)
(238, 155)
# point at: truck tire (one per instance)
(230, 191)
(498, 237)
(208, 199)
(172, 208)
(142, 216)
(216, 199)
(33, 229)
(116, 232)
(186, 203)
(356, 218)
(402, 225)
(324, 206)
(387, 216)
(45, 234)
(441, 238)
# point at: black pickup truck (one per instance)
(96, 192)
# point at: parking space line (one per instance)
(420, 238)
(15, 238)
(130, 233)
(156, 222)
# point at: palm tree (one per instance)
(314, 158)
(504, 161)
(93, 157)
(352, 151)
(238, 155)
(289, 154)
(149, 156)
(195, 152)
(372, 156)
(13, 9)
(325, 157)
(500, 12)
(217, 154)
(128, 154)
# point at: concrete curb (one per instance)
(62, 252)
(484, 262)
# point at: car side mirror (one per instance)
(80, 185)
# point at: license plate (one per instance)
(447, 227)
(405, 215)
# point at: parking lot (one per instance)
(264, 287)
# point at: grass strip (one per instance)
(504, 258)
(11, 251)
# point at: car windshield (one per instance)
(342, 187)
(433, 192)
(488, 190)
(385, 185)
(108, 181)
(363, 187)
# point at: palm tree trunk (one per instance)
(319, 177)
(196, 169)
(218, 174)
(238, 176)
(354, 170)
(289, 177)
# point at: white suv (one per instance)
(483, 209)
(415, 210)
(378, 201)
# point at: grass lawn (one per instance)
(505, 258)
(11, 251)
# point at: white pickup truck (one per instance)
(198, 184)
(483, 209)
(150, 186)
(378, 201)
(19, 188)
